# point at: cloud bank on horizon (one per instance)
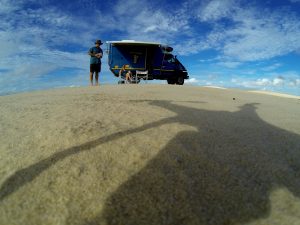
(224, 43)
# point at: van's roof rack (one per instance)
(124, 42)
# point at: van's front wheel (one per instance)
(180, 80)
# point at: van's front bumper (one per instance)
(185, 74)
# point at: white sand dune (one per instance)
(149, 154)
(217, 87)
(276, 94)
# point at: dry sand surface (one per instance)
(149, 154)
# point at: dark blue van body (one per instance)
(155, 58)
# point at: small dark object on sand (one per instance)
(233, 98)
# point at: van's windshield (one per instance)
(170, 58)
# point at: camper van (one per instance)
(153, 59)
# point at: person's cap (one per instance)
(98, 42)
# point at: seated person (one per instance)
(125, 74)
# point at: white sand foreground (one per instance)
(149, 154)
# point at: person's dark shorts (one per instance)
(95, 68)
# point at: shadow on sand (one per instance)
(221, 174)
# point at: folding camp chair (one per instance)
(139, 75)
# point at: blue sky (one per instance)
(228, 43)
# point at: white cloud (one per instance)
(192, 80)
(140, 20)
(131, 7)
(297, 82)
(30, 40)
(256, 35)
(253, 34)
(259, 36)
(262, 82)
(7, 6)
(37, 61)
(294, 82)
(215, 9)
(229, 64)
(283, 81)
(272, 67)
(278, 81)
(191, 46)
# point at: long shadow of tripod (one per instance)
(26, 175)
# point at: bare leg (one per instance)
(127, 78)
(91, 78)
(96, 78)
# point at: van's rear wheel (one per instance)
(180, 80)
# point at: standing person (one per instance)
(96, 54)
